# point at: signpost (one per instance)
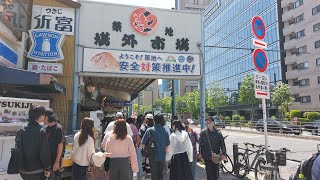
(261, 80)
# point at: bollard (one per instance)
(235, 160)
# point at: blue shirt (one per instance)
(315, 171)
(162, 141)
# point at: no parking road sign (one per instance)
(258, 27)
(260, 60)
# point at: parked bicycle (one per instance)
(243, 166)
(268, 169)
(227, 164)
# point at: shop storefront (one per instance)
(120, 55)
(44, 75)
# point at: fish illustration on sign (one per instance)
(105, 60)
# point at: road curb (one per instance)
(275, 134)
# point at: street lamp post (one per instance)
(152, 96)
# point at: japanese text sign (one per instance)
(53, 18)
(15, 14)
(50, 68)
(139, 29)
(46, 45)
(261, 86)
(143, 63)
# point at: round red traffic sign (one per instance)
(258, 27)
(260, 60)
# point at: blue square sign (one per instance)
(46, 45)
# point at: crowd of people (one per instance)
(132, 148)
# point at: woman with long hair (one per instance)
(180, 153)
(83, 149)
(121, 146)
(194, 140)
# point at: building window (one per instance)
(317, 44)
(300, 34)
(298, 18)
(318, 62)
(316, 27)
(318, 79)
(297, 3)
(316, 10)
(299, 50)
(305, 99)
(304, 82)
(303, 66)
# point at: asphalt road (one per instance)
(300, 148)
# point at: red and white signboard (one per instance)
(259, 44)
(49, 68)
(261, 86)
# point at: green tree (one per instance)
(193, 103)
(282, 97)
(233, 99)
(216, 97)
(246, 94)
(181, 105)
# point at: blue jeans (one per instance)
(139, 158)
(79, 172)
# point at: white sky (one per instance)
(166, 4)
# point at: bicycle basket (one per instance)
(281, 158)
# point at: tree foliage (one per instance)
(216, 97)
(282, 97)
(246, 94)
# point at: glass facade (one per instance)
(227, 23)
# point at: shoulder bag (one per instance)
(215, 158)
(16, 160)
(94, 172)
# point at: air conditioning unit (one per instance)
(290, 6)
(292, 35)
(291, 21)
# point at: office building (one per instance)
(227, 26)
(301, 19)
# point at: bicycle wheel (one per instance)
(227, 164)
(259, 173)
(242, 166)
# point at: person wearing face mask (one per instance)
(211, 142)
(55, 137)
(35, 147)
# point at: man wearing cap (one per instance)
(55, 137)
(211, 141)
(111, 125)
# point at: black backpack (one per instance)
(150, 147)
(304, 168)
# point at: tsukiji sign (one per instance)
(138, 40)
(17, 109)
(100, 60)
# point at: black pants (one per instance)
(156, 170)
(38, 176)
(212, 170)
(79, 172)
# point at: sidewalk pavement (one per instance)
(201, 174)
